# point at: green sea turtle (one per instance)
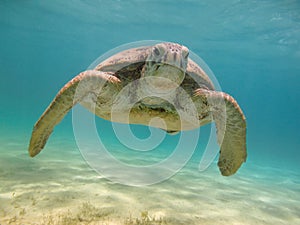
(171, 69)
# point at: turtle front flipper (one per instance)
(231, 129)
(67, 97)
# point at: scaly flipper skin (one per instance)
(231, 129)
(63, 102)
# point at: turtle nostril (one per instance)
(174, 50)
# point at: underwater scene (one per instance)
(164, 168)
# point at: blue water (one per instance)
(253, 49)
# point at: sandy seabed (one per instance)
(57, 188)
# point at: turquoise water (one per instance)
(254, 51)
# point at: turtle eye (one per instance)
(185, 54)
(156, 51)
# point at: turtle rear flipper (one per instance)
(63, 102)
(231, 129)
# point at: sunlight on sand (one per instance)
(64, 191)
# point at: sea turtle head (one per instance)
(166, 62)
